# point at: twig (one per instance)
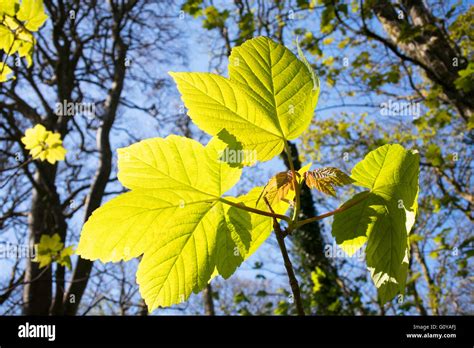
(334, 212)
(256, 211)
(295, 288)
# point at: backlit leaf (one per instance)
(383, 217)
(176, 218)
(267, 99)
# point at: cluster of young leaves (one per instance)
(44, 144)
(50, 249)
(18, 22)
(176, 213)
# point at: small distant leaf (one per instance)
(64, 258)
(6, 39)
(325, 179)
(5, 72)
(413, 238)
(44, 144)
(51, 249)
(316, 277)
(32, 13)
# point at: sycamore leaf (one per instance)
(383, 217)
(324, 179)
(261, 226)
(167, 176)
(26, 51)
(64, 258)
(316, 277)
(267, 99)
(351, 228)
(32, 13)
(175, 217)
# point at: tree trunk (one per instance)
(309, 244)
(208, 301)
(45, 218)
(37, 290)
(431, 49)
(83, 268)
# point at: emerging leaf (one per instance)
(278, 187)
(325, 179)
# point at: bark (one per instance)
(45, 217)
(431, 49)
(83, 268)
(309, 244)
(208, 300)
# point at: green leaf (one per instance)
(176, 218)
(316, 277)
(6, 39)
(267, 99)
(383, 217)
(351, 227)
(176, 163)
(208, 240)
(64, 258)
(167, 176)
